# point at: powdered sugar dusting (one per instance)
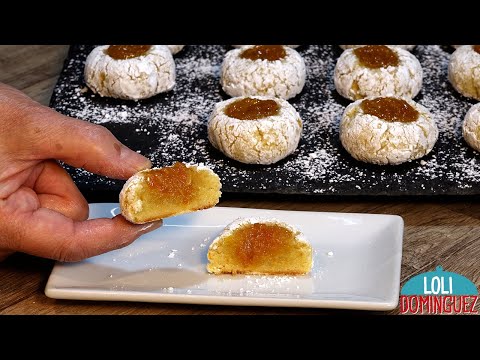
(172, 127)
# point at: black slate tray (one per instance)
(172, 126)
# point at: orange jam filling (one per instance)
(376, 56)
(252, 109)
(476, 48)
(264, 52)
(123, 52)
(256, 244)
(390, 109)
(173, 182)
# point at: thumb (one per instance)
(83, 144)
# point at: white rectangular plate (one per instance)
(357, 260)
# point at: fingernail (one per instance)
(137, 161)
(151, 226)
(147, 164)
(142, 165)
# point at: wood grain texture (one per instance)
(33, 69)
(438, 232)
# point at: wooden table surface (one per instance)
(438, 231)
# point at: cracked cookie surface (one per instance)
(239, 46)
(404, 47)
(464, 71)
(471, 127)
(133, 78)
(175, 48)
(283, 78)
(372, 139)
(355, 81)
(263, 140)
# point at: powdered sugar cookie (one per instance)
(404, 47)
(387, 130)
(290, 46)
(130, 71)
(471, 127)
(175, 48)
(255, 130)
(377, 70)
(272, 70)
(464, 70)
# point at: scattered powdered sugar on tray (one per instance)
(172, 127)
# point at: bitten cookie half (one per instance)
(260, 246)
(158, 193)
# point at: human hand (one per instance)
(42, 212)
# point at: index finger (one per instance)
(47, 134)
(55, 236)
